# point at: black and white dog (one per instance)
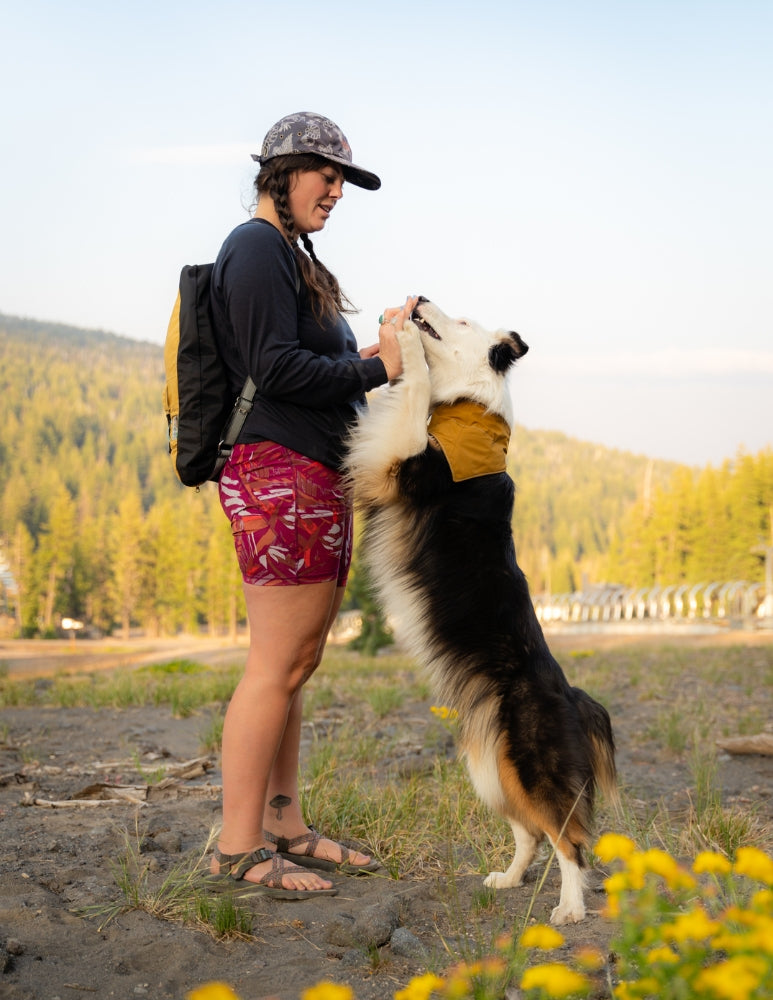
(427, 464)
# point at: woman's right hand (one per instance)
(393, 319)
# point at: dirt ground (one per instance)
(377, 933)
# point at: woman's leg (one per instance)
(283, 815)
(288, 627)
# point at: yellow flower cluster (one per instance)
(442, 712)
(213, 991)
(541, 936)
(328, 991)
(704, 934)
(420, 987)
(471, 978)
(707, 938)
(556, 980)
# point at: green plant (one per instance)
(176, 896)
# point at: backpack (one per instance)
(203, 419)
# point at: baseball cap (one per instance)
(306, 132)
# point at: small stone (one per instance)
(169, 842)
(375, 924)
(14, 947)
(340, 930)
(403, 942)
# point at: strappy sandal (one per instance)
(233, 867)
(308, 860)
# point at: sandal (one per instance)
(308, 859)
(233, 867)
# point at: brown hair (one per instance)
(273, 179)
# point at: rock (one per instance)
(340, 930)
(376, 923)
(169, 842)
(403, 942)
(14, 947)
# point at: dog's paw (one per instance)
(499, 880)
(567, 915)
(411, 350)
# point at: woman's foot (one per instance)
(287, 877)
(312, 850)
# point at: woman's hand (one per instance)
(388, 349)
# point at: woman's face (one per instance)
(312, 196)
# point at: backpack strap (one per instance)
(231, 431)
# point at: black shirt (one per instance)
(310, 378)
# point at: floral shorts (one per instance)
(290, 517)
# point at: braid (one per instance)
(327, 299)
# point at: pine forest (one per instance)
(94, 525)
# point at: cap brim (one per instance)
(353, 174)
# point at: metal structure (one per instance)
(735, 602)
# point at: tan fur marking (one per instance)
(529, 813)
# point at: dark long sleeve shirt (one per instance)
(310, 378)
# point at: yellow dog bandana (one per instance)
(473, 440)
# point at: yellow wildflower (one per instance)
(543, 937)
(458, 982)
(420, 987)
(658, 863)
(613, 846)
(664, 955)
(711, 863)
(443, 712)
(619, 882)
(753, 863)
(213, 991)
(734, 979)
(328, 991)
(555, 979)
(589, 958)
(762, 901)
(695, 925)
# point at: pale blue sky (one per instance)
(596, 175)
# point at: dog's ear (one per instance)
(505, 353)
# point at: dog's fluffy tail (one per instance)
(598, 727)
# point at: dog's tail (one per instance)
(598, 728)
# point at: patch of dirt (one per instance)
(378, 932)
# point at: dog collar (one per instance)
(473, 440)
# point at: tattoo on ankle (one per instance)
(279, 802)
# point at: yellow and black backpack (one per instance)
(203, 419)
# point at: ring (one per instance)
(381, 320)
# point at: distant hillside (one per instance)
(94, 524)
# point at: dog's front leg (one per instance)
(394, 428)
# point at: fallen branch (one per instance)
(32, 800)
(761, 743)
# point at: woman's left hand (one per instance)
(388, 349)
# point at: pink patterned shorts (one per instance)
(290, 517)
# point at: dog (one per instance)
(426, 461)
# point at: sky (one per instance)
(593, 174)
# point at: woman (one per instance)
(278, 316)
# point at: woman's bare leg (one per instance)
(283, 818)
(288, 627)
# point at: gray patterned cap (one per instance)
(306, 132)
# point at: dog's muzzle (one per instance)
(422, 324)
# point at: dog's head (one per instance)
(465, 360)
